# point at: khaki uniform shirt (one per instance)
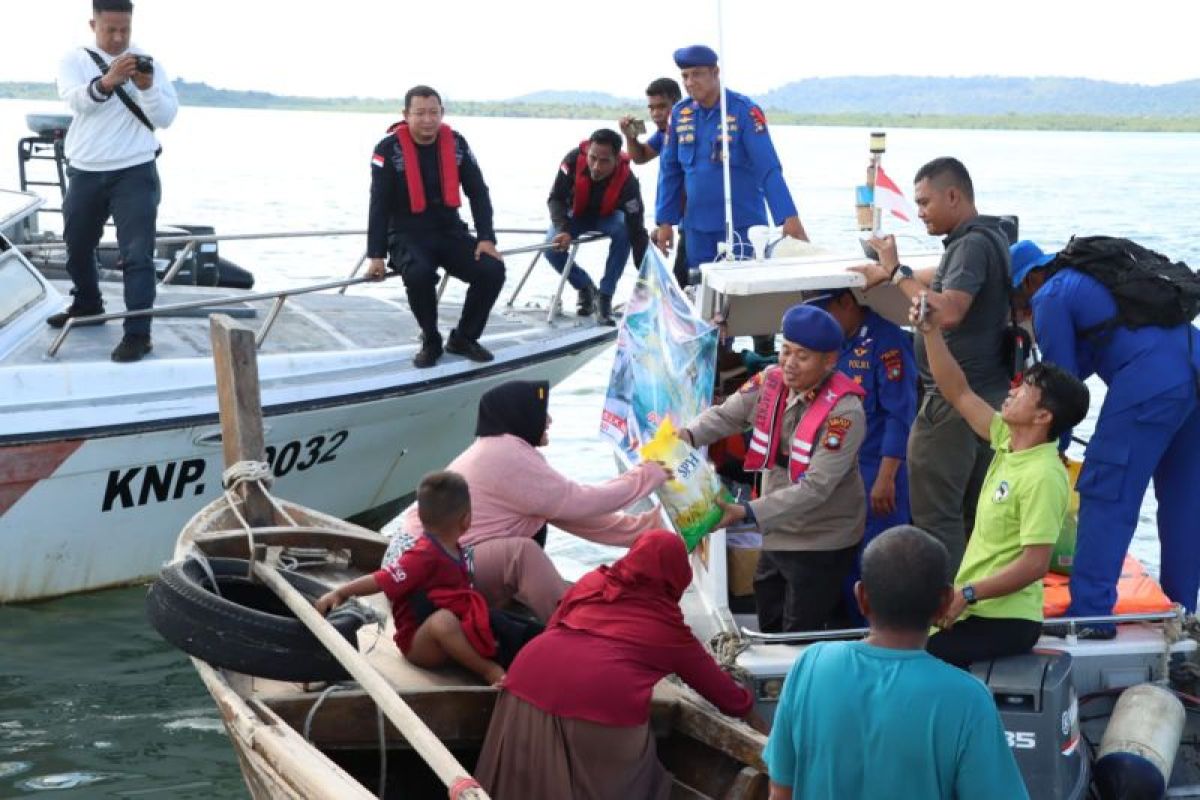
(827, 508)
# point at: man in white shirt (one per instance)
(119, 95)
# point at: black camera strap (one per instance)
(133, 107)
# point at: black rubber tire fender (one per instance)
(246, 628)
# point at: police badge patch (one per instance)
(893, 364)
(760, 119)
(836, 429)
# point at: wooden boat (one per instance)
(324, 740)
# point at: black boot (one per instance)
(587, 301)
(430, 352)
(604, 309)
(461, 346)
(132, 347)
(76, 309)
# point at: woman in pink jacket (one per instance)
(515, 493)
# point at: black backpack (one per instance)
(1148, 287)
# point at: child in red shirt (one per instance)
(458, 629)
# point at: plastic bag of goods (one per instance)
(1062, 557)
(690, 497)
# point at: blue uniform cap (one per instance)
(1026, 256)
(822, 298)
(696, 55)
(812, 328)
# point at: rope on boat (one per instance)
(312, 712)
(726, 647)
(244, 472)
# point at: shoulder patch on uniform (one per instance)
(893, 363)
(564, 169)
(760, 119)
(836, 429)
(377, 160)
(754, 384)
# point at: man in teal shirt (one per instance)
(881, 717)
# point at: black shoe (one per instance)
(587, 301)
(604, 313)
(76, 309)
(132, 347)
(472, 350)
(1096, 633)
(428, 355)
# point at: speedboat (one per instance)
(1080, 715)
(102, 463)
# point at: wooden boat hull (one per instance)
(709, 755)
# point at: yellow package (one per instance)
(690, 497)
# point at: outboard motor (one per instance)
(1139, 744)
(1040, 714)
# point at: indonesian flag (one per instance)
(889, 197)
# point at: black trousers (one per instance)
(982, 638)
(417, 257)
(800, 590)
(130, 196)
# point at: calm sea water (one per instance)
(93, 704)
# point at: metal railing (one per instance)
(280, 297)
(1072, 624)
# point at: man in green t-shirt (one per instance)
(997, 605)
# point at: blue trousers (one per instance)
(701, 246)
(618, 250)
(1158, 438)
(130, 196)
(868, 466)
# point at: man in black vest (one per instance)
(416, 172)
(595, 191)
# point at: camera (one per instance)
(144, 64)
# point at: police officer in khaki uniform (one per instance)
(807, 424)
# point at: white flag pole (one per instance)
(726, 179)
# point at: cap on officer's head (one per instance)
(812, 328)
(1026, 256)
(696, 55)
(821, 298)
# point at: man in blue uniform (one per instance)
(879, 357)
(1149, 427)
(690, 164)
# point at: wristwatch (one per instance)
(900, 273)
(968, 592)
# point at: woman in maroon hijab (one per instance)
(573, 717)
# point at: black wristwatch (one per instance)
(968, 592)
(900, 273)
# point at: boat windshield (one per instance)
(19, 287)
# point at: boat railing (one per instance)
(280, 297)
(1071, 626)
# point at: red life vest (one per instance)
(447, 165)
(583, 183)
(768, 421)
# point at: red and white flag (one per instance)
(889, 197)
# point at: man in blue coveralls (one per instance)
(879, 357)
(1149, 427)
(690, 164)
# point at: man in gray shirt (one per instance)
(968, 295)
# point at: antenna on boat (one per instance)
(727, 183)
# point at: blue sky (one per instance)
(476, 49)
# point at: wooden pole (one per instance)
(412, 727)
(236, 364)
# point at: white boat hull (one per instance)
(94, 511)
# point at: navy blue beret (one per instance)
(696, 55)
(812, 327)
